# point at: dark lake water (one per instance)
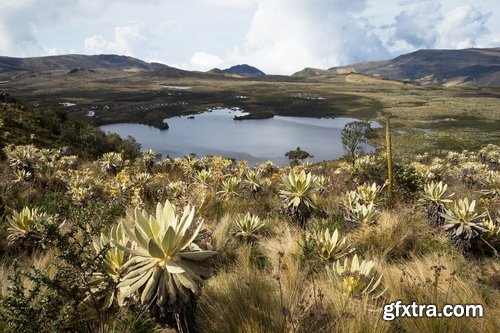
(216, 133)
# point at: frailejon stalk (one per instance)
(388, 142)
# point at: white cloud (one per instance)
(127, 39)
(423, 24)
(287, 35)
(21, 22)
(96, 44)
(204, 61)
(416, 24)
(277, 36)
(462, 27)
(52, 51)
(231, 3)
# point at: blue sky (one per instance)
(277, 36)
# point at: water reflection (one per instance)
(216, 133)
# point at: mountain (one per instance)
(243, 70)
(75, 63)
(311, 72)
(215, 71)
(473, 67)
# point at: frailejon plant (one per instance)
(321, 183)
(141, 179)
(230, 188)
(112, 162)
(189, 164)
(22, 158)
(81, 184)
(24, 226)
(298, 195)
(165, 266)
(354, 277)
(492, 234)
(350, 200)
(103, 283)
(247, 227)
(148, 159)
(254, 181)
(490, 155)
(176, 189)
(22, 175)
(330, 246)
(369, 193)
(463, 224)
(491, 185)
(363, 213)
(268, 168)
(203, 178)
(114, 257)
(434, 201)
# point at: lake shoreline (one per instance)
(215, 132)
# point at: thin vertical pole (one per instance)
(388, 142)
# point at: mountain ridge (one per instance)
(473, 67)
(466, 67)
(70, 62)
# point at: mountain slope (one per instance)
(475, 67)
(75, 62)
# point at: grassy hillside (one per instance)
(74, 62)
(472, 67)
(52, 128)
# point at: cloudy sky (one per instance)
(277, 36)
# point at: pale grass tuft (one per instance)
(281, 252)
(240, 299)
(222, 231)
(393, 236)
(440, 279)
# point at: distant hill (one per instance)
(311, 72)
(474, 67)
(243, 70)
(215, 71)
(75, 63)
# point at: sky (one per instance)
(276, 36)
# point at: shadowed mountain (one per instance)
(75, 63)
(243, 70)
(474, 67)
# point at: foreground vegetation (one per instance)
(117, 244)
(97, 237)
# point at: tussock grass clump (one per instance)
(241, 299)
(396, 236)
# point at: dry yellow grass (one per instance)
(440, 279)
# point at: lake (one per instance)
(216, 133)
